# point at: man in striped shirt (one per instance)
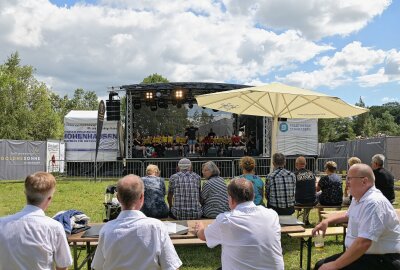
(184, 192)
(280, 187)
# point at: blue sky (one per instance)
(349, 49)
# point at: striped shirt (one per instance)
(280, 188)
(215, 197)
(185, 187)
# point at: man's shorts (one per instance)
(192, 142)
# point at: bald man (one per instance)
(373, 233)
(250, 235)
(134, 241)
(305, 183)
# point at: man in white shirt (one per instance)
(373, 233)
(29, 239)
(134, 241)
(250, 235)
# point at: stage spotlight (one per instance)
(149, 95)
(137, 105)
(178, 94)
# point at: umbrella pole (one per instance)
(273, 140)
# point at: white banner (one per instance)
(298, 137)
(53, 156)
(80, 137)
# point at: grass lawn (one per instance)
(88, 197)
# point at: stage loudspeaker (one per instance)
(113, 110)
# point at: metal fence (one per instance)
(229, 168)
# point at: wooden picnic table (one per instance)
(188, 239)
(326, 214)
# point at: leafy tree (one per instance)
(387, 125)
(335, 130)
(392, 107)
(363, 124)
(83, 100)
(155, 78)
(26, 112)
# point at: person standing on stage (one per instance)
(191, 137)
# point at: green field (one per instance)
(88, 197)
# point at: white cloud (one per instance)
(352, 60)
(390, 99)
(314, 18)
(121, 42)
(388, 73)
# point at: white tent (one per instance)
(80, 137)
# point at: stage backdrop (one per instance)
(298, 137)
(80, 137)
(21, 158)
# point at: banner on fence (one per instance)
(298, 137)
(55, 156)
(21, 158)
(80, 137)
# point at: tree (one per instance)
(335, 130)
(83, 100)
(27, 112)
(363, 123)
(387, 125)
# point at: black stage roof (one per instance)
(190, 89)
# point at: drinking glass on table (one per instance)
(319, 240)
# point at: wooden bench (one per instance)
(304, 210)
(306, 238)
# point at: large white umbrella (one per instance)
(278, 100)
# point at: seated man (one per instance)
(305, 183)
(373, 233)
(30, 239)
(250, 235)
(134, 241)
(280, 186)
(305, 187)
(384, 180)
(184, 192)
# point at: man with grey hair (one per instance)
(134, 241)
(373, 232)
(184, 192)
(384, 180)
(280, 187)
(29, 239)
(250, 235)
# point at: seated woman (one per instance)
(214, 195)
(248, 165)
(329, 187)
(154, 194)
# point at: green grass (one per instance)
(88, 197)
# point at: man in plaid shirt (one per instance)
(280, 187)
(184, 192)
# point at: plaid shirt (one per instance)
(280, 188)
(186, 186)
